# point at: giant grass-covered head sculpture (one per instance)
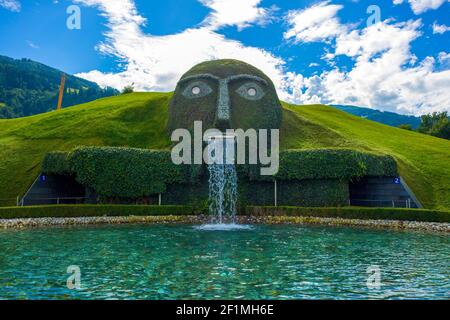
(225, 94)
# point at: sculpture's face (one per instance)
(225, 94)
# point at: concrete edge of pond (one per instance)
(22, 223)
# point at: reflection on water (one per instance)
(182, 262)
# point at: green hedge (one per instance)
(60, 211)
(354, 213)
(342, 164)
(120, 172)
(57, 162)
(139, 173)
(132, 210)
(309, 193)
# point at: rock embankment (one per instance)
(366, 223)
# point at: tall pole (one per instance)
(61, 91)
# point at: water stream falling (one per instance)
(222, 182)
(222, 192)
(222, 179)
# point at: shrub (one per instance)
(61, 211)
(128, 89)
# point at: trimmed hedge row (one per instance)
(120, 172)
(309, 193)
(342, 164)
(61, 211)
(353, 213)
(70, 211)
(135, 173)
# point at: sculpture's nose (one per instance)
(223, 114)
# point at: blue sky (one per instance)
(315, 51)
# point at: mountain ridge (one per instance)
(386, 117)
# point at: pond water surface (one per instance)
(261, 262)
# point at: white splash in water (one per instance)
(223, 227)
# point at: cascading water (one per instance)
(222, 180)
(222, 185)
(222, 192)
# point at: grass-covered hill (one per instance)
(28, 87)
(139, 120)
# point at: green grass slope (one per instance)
(424, 161)
(139, 120)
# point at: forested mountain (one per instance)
(385, 117)
(28, 87)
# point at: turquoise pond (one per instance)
(182, 262)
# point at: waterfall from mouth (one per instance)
(222, 179)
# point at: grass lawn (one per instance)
(424, 161)
(139, 120)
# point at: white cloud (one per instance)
(377, 38)
(11, 5)
(444, 60)
(155, 63)
(420, 6)
(316, 23)
(440, 28)
(384, 75)
(240, 13)
(32, 45)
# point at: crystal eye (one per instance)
(251, 92)
(196, 90)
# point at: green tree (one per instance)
(128, 89)
(436, 124)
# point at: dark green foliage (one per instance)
(306, 177)
(225, 68)
(259, 193)
(313, 193)
(121, 172)
(354, 213)
(28, 87)
(128, 89)
(57, 162)
(436, 124)
(344, 164)
(194, 194)
(310, 193)
(92, 211)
